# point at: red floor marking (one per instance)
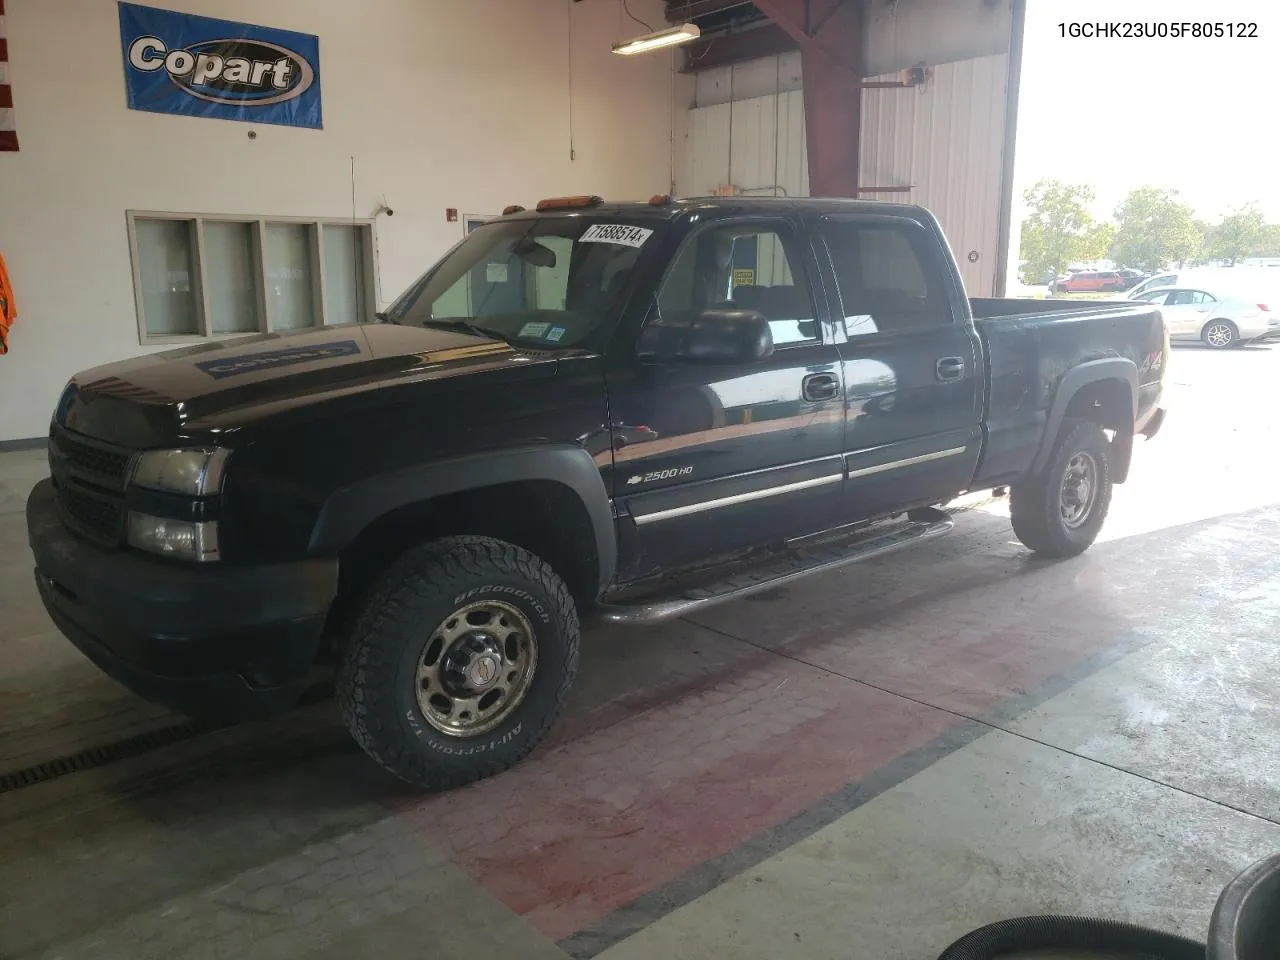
(595, 824)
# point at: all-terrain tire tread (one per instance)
(1033, 502)
(366, 673)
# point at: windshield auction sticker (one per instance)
(618, 233)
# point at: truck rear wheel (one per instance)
(460, 660)
(1059, 511)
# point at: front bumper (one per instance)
(215, 642)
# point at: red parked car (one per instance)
(1089, 281)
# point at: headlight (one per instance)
(196, 472)
(183, 539)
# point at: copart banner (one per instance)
(222, 69)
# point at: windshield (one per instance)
(547, 282)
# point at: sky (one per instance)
(1201, 116)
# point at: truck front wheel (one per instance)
(1059, 511)
(461, 658)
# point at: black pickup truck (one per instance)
(625, 410)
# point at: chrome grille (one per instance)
(108, 464)
(90, 477)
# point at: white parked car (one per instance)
(1160, 281)
(1193, 313)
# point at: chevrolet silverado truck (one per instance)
(627, 411)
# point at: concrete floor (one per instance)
(866, 764)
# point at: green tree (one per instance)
(1203, 229)
(1059, 229)
(1269, 245)
(1238, 235)
(1097, 243)
(1154, 228)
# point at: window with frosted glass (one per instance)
(166, 276)
(230, 273)
(220, 276)
(345, 300)
(290, 277)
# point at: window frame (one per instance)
(1205, 296)
(803, 266)
(947, 280)
(258, 230)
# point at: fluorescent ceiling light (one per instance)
(655, 41)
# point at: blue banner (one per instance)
(204, 67)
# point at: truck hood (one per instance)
(219, 386)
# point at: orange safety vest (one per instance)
(8, 307)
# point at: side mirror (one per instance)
(717, 335)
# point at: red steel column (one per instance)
(829, 33)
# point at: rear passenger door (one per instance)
(913, 379)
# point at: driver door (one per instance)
(712, 458)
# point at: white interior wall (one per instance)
(745, 81)
(442, 103)
(765, 156)
(944, 140)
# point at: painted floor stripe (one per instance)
(656, 904)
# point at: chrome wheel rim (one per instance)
(476, 668)
(1079, 491)
(1218, 335)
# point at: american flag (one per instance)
(8, 131)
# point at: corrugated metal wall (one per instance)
(755, 159)
(944, 140)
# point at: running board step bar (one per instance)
(926, 524)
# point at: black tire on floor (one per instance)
(379, 672)
(1035, 504)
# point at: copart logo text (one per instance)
(227, 71)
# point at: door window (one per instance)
(1183, 298)
(887, 277)
(749, 266)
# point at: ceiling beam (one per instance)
(728, 48)
(682, 11)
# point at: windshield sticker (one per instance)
(555, 333)
(495, 273)
(533, 331)
(618, 233)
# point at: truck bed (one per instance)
(1029, 345)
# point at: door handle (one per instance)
(817, 387)
(950, 368)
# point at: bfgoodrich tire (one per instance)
(1060, 511)
(460, 660)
